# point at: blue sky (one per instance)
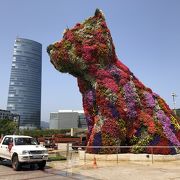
(146, 34)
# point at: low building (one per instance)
(66, 119)
(5, 114)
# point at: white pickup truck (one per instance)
(23, 150)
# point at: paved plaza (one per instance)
(74, 169)
(122, 170)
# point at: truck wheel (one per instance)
(42, 165)
(15, 163)
(32, 166)
(1, 159)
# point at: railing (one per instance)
(117, 150)
(72, 155)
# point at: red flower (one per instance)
(111, 127)
(148, 121)
(159, 150)
(69, 36)
(122, 66)
(92, 69)
(103, 24)
(109, 84)
(123, 81)
(87, 53)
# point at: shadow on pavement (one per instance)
(28, 167)
(69, 175)
(49, 171)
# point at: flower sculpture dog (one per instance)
(119, 109)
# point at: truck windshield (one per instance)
(25, 141)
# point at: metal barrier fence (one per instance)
(72, 155)
(118, 149)
(73, 163)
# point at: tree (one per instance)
(178, 112)
(8, 126)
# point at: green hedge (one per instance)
(8, 127)
(56, 158)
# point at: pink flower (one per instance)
(69, 36)
(88, 53)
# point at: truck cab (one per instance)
(5, 147)
(23, 150)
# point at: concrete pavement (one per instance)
(121, 171)
(75, 169)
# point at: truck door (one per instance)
(5, 151)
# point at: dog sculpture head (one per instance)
(86, 45)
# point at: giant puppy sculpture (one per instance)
(119, 109)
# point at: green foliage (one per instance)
(142, 141)
(178, 112)
(55, 157)
(8, 127)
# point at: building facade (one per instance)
(24, 97)
(4, 114)
(66, 119)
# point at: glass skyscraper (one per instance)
(24, 97)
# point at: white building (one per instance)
(66, 119)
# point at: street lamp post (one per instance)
(174, 102)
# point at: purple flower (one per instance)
(115, 73)
(131, 101)
(155, 140)
(97, 142)
(90, 97)
(90, 128)
(166, 124)
(114, 111)
(149, 100)
(90, 121)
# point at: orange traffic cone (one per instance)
(94, 163)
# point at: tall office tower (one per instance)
(24, 96)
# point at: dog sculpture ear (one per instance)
(99, 13)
